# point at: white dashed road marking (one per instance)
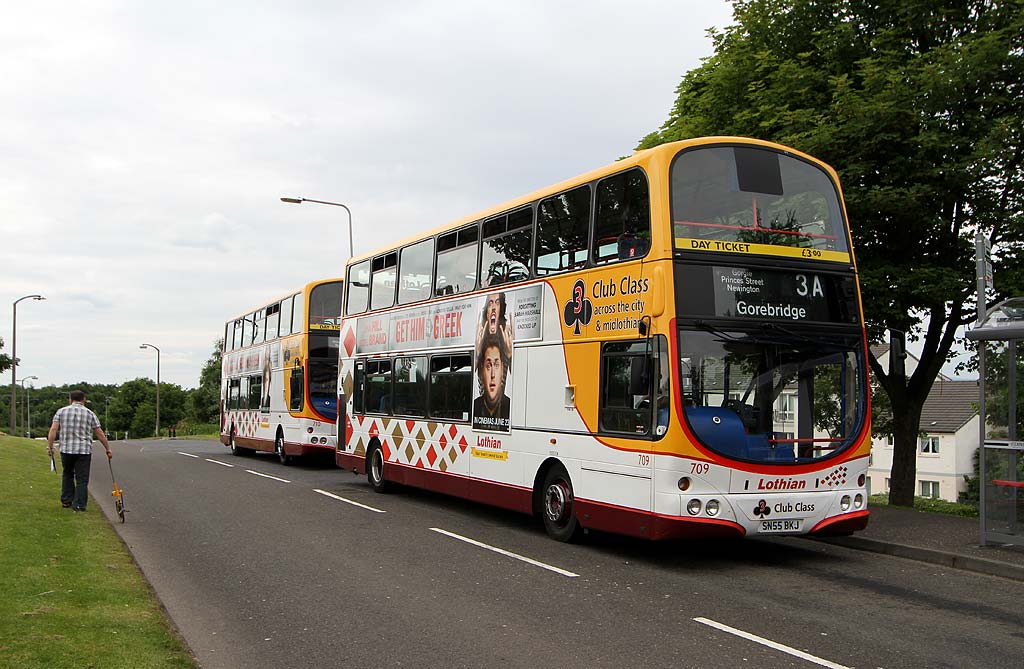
(218, 462)
(504, 552)
(347, 501)
(771, 644)
(268, 476)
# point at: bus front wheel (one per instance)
(375, 469)
(558, 506)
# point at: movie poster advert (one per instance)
(448, 324)
(488, 323)
(504, 318)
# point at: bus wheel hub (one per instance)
(556, 501)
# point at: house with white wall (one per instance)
(946, 447)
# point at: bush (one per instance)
(189, 429)
(930, 505)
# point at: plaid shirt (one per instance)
(76, 428)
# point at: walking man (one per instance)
(75, 425)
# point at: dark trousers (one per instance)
(74, 485)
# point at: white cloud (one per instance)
(146, 146)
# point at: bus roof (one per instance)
(305, 289)
(660, 152)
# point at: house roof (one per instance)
(950, 405)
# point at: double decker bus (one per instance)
(279, 370)
(668, 346)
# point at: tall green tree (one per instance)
(919, 105)
(130, 398)
(5, 360)
(206, 398)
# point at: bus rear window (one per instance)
(753, 195)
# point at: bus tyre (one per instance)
(375, 469)
(235, 448)
(558, 506)
(279, 449)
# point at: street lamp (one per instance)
(300, 200)
(14, 361)
(157, 385)
(28, 405)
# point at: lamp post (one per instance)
(14, 360)
(157, 385)
(300, 200)
(28, 406)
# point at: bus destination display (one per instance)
(765, 295)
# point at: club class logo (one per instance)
(579, 310)
(762, 510)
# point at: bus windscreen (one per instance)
(724, 195)
(772, 395)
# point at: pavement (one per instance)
(936, 538)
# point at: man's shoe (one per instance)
(78, 509)
(66, 505)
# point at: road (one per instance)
(263, 565)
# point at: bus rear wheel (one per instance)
(279, 449)
(375, 469)
(558, 506)
(235, 448)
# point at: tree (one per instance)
(205, 399)
(133, 398)
(143, 420)
(5, 360)
(919, 106)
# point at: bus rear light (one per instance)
(323, 440)
(309, 430)
(712, 507)
(684, 483)
(860, 481)
(858, 501)
(844, 503)
(693, 507)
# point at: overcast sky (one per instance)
(145, 147)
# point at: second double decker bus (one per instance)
(668, 346)
(279, 373)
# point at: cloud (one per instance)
(146, 146)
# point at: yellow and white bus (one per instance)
(668, 346)
(279, 372)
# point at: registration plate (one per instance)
(780, 525)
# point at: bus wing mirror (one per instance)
(643, 328)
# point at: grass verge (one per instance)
(72, 595)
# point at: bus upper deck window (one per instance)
(507, 247)
(456, 265)
(357, 288)
(415, 271)
(622, 221)
(563, 229)
(383, 281)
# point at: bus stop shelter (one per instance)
(1001, 455)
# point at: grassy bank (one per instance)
(72, 596)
